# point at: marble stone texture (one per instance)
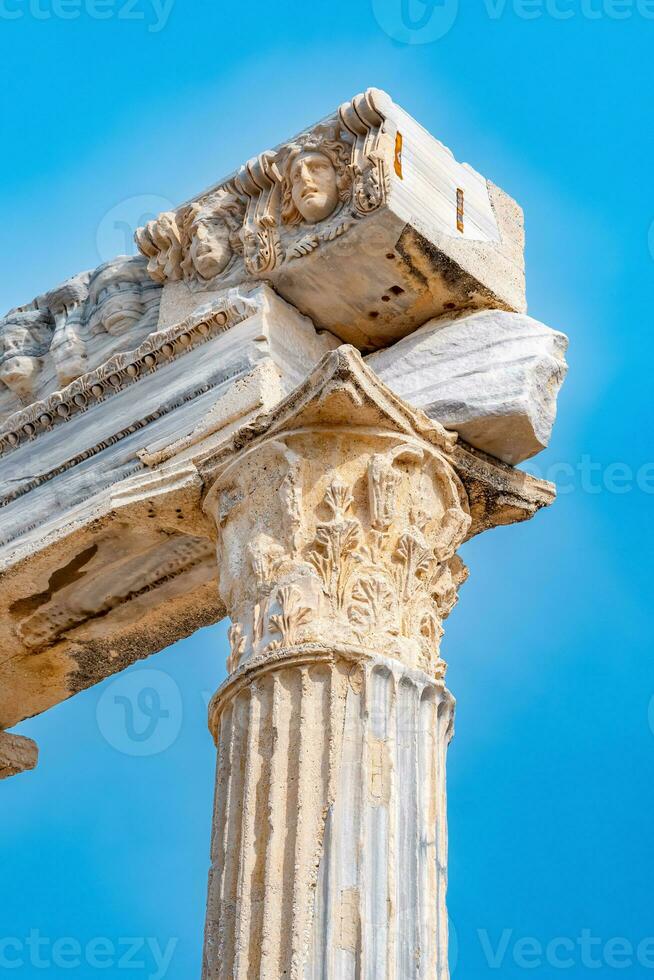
(337, 772)
(492, 376)
(73, 329)
(338, 518)
(104, 556)
(184, 437)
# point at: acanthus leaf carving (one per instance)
(290, 619)
(373, 607)
(337, 545)
(237, 644)
(383, 482)
(351, 530)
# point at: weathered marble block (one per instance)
(104, 553)
(365, 222)
(73, 329)
(492, 376)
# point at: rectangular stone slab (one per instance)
(401, 233)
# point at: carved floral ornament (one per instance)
(362, 556)
(336, 535)
(280, 206)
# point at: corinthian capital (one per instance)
(339, 516)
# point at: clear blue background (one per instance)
(551, 772)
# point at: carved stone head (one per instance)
(24, 339)
(19, 374)
(120, 293)
(315, 181)
(209, 251)
(210, 236)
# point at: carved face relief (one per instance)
(19, 374)
(24, 339)
(314, 186)
(68, 354)
(118, 296)
(120, 310)
(210, 250)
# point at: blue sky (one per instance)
(551, 771)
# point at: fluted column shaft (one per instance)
(329, 842)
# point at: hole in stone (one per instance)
(449, 306)
(396, 290)
(373, 315)
(386, 299)
(390, 255)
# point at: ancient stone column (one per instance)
(338, 524)
(164, 408)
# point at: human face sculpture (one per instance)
(19, 374)
(314, 187)
(120, 309)
(210, 248)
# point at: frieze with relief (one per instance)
(72, 329)
(281, 205)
